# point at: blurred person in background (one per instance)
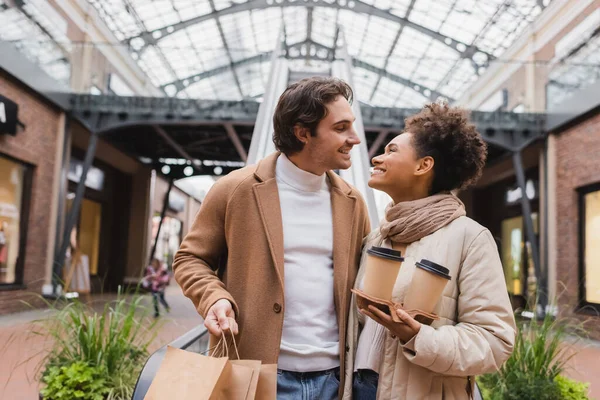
(156, 280)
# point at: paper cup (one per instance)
(428, 283)
(381, 272)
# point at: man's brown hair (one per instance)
(446, 134)
(304, 103)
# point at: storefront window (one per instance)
(87, 238)
(512, 253)
(591, 246)
(169, 240)
(514, 258)
(12, 177)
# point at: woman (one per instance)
(439, 152)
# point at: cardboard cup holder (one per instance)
(363, 301)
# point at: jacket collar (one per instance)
(265, 170)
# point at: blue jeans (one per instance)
(317, 385)
(364, 386)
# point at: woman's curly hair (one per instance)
(446, 134)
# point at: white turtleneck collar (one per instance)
(299, 179)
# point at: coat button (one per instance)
(277, 308)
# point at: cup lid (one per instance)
(434, 268)
(384, 252)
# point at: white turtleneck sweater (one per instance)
(310, 340)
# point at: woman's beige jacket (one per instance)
(476, 330)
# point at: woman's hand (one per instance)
(404, 330)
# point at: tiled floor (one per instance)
(585, 365)
(21, 351)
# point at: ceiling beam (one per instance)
(202, 142)
(181, 84)
(428, 93)
(237, 143)
(174, 145)
(309, 23)
(306, 46)
(392, 48)
(226, 46)
(465, 50)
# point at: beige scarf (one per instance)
(409, 221)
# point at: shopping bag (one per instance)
(267, 383)
(263, 385)
(184, 375)
(242, 377)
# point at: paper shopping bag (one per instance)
(240, 375)
(184, 375)
(267, 383)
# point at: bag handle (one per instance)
(221, 349)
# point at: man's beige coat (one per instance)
(239, 230)
(475, 333)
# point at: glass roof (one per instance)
(581, 69)
(406, 52)
(39, 34)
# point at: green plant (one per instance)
(115, 340)
(533, 370)
(572, 390)
(78, 380)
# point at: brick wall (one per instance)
(577, 165)
(36, 145)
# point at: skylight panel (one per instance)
(155, 68)
(410, 49)
(435, 65)
(295, 24)
(354, 26)
(238, 33)
(119, 19)
(377, 41)
(191, 9)
(266, 25)
(364, 81)
(201, 90)
(399, 7)
(410, 99)
(460, 78)
(461, 25)
(221, 4)
(225, 86)
(386, 93)
(323, 26)
(36, 45)
(430, 13)
(250, 77)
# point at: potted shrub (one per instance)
(534, 369)
(98, 353)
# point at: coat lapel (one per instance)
(342, 208)
(266, 194)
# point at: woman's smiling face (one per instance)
(397, 171)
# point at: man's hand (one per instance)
(404, 330)
(220, 318)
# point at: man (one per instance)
(285, 236)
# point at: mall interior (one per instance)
(116, 116)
